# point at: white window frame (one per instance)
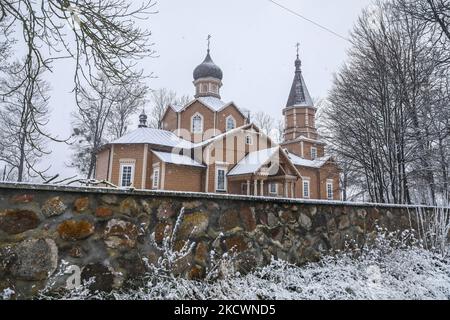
(123, 165)
(201, 124)
(276, 188)
(248, 140)
(313, 151)
(329, 190)
(204, 88)
(306, 195)
(226, 123)
(216, 179)
(156, 182)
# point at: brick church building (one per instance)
(211, 146)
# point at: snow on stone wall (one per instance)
(110, 234)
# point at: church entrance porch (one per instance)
(263, 186)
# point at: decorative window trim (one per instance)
(216, 178)
(330, 190)
(306, 182)
(276, 188)
(155, 182)
(197, 114)
(313, 157)
(123, 164)
(226, 123)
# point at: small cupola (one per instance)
(208, 77)
(142, 120)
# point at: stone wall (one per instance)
(107, 232)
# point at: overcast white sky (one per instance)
(253, 42)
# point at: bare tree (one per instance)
(104, 115)
(264, 122)
(435, 13)
(96, 36)
(24, 114)
(160, 99)
(280, 126)
(127, 101)
(383, 113)
(89, 126)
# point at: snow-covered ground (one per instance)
(382, 272)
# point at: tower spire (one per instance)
(299, 95)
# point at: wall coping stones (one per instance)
(194, 195)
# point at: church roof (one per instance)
(153, 136)
(178, 159)
(316, 163)
(208, 69)
(299, 95)
(253, 161)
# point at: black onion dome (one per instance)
(208, 69)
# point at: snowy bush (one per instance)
(433, 228)
(394, 267)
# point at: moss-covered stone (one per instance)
(248, 218)
(229, 220)
(72, 230)
(119, 233)
(129, 206)
(53, 207)
(34, 260)
(193, 224)
(22, 198)
(236, 244)
(18, 221)
(166, 210)
(305, 221)
(81, 204)
(160, 231)
(103, 212)
(201, 253)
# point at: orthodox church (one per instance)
(211, 146)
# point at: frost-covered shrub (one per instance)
(170, 256)
(393, 267)
(433, 228)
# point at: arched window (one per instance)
(197, 123)
(230, 123)
(204, 88)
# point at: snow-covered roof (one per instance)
(253, 161)
(222, 135)
(153, 136)
(317, 163)
(303, 138)
(178, 159)
(177, 107)
(213, 103)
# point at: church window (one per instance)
(306, 193)
(313, 153)
(230, 123)
(197, 123)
